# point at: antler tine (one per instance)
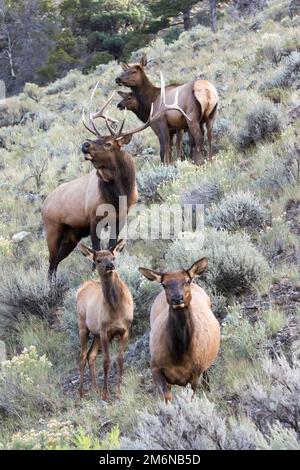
(136, 129)
(170, 106)
(111, 130)
(85, 124)
(123, 122)
(100, 113)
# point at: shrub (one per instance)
(61, 435)
(13, 111)
(188, 424)
(69, 82)
(261, 122)
(151, 178)
(240, 210)
(33, 91)
(234, 262)
(287, 76)
(29, 293)
(243, 340)
(26, 389)
(205, 194)
(277, 399)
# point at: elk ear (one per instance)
(118, 247)
(124, 140)
(86, 251)
(198, 268)
(151, 275)
(124, 66)
(123, 94)
(143, 61)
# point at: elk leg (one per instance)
(179, 140)
(205, 381)
(171, 134)
(163, 133)
(83, 336)
(54, 235)
(94, 237)
(198, 136)
(160, 380)
(106, 363)
(92, 355)
(122, 345)
(194, 383)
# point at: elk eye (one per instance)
(107, 145)
(189, 282)
(164, 286)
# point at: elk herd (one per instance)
(184, 333)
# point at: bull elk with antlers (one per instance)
(185, 335)
(198, 98)
(70, 211)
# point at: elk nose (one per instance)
(120, 106)
(110, 266)
(118, 81)
(177, 299)
(85, 147)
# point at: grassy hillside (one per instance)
(251, 193)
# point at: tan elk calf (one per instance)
(104, 309)
(185, 334)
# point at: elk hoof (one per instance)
(168, 396)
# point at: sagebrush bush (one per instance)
(234, 262)
(195, 424)
(277, 399)
(240, 210)
(242, 339)
(287, 76)
(26, 387)
(67, 83)
(30, 293)
(61, 435)
(205, 193)
(149, 180)
(262, 121)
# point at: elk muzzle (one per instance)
(118, 81)
(85, 147)
(177, 301)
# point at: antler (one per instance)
(91, 125)
(163, 107)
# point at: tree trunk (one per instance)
(187, 18)
(213, 15)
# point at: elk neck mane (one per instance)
(112, 289)
(180, 329)
(123, 182)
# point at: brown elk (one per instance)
(130, 102)
(185, 335)
(70, 212)
(198, 98)
(104, 309)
